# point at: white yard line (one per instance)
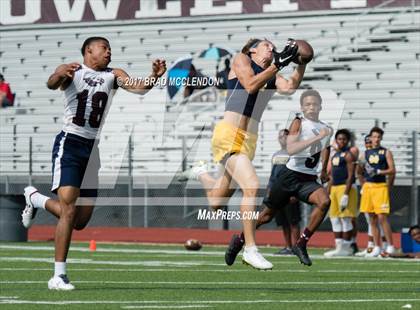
(397, 261)
(200, 302)
(168, 307)
(151, 263)
(70, 268)
(259, 283)
(8, 297)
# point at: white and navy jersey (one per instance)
(85, 101)
(307, 161)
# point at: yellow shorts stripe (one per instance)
(230, 139)
(375, 198)
(337, 191)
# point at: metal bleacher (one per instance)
(367, 64)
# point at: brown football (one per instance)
(305, 52)
(193, 245)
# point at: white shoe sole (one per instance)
(54, 287)
(257, 268)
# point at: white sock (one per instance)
(251, 248)
(39, 200)
(370, 244)
(384, 245)
(59, 268)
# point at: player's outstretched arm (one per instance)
(294, 145)
(62, 76)
(289, 86)
(251, 82)
(140, 85)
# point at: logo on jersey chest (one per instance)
(374, 159)
(93, 82)
(336, 161)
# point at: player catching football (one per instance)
(87, 88)
(252, 81)
(307, 145)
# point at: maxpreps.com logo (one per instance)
(93, 82)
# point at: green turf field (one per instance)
(134, 276)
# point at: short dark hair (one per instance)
(377, 130)
(310, 92)
(412, 228)
(90, 40)
(345, 132)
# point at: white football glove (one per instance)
(344, 202)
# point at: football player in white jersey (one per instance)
(87, 88)
(307, 143)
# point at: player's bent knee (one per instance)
(68, 211)
(324, 205)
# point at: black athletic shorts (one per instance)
(289, 183)
(288, 215)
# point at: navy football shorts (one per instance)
(75, 162)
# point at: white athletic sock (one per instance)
(384, 245)
(370, 244)
(251, 248)
(59, 268)
(39, 200)
(338, 242)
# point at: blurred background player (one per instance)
(360, 172)
(308, 141)
(287, 217)
(235, 137)
(343, 195)
(87, 88)
(376, 182)
(354, 150)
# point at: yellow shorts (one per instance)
(375, 198)
(228, 139)
(337, 191)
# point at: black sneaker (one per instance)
(300, 251)
(354, 248)
(284, 251)
(235, 246)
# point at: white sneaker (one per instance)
(252, 257)
(194, 172)
(364, 252)
(60, 283)
(331, 253)
(29, 212)
(344, 250)
(375, 252)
